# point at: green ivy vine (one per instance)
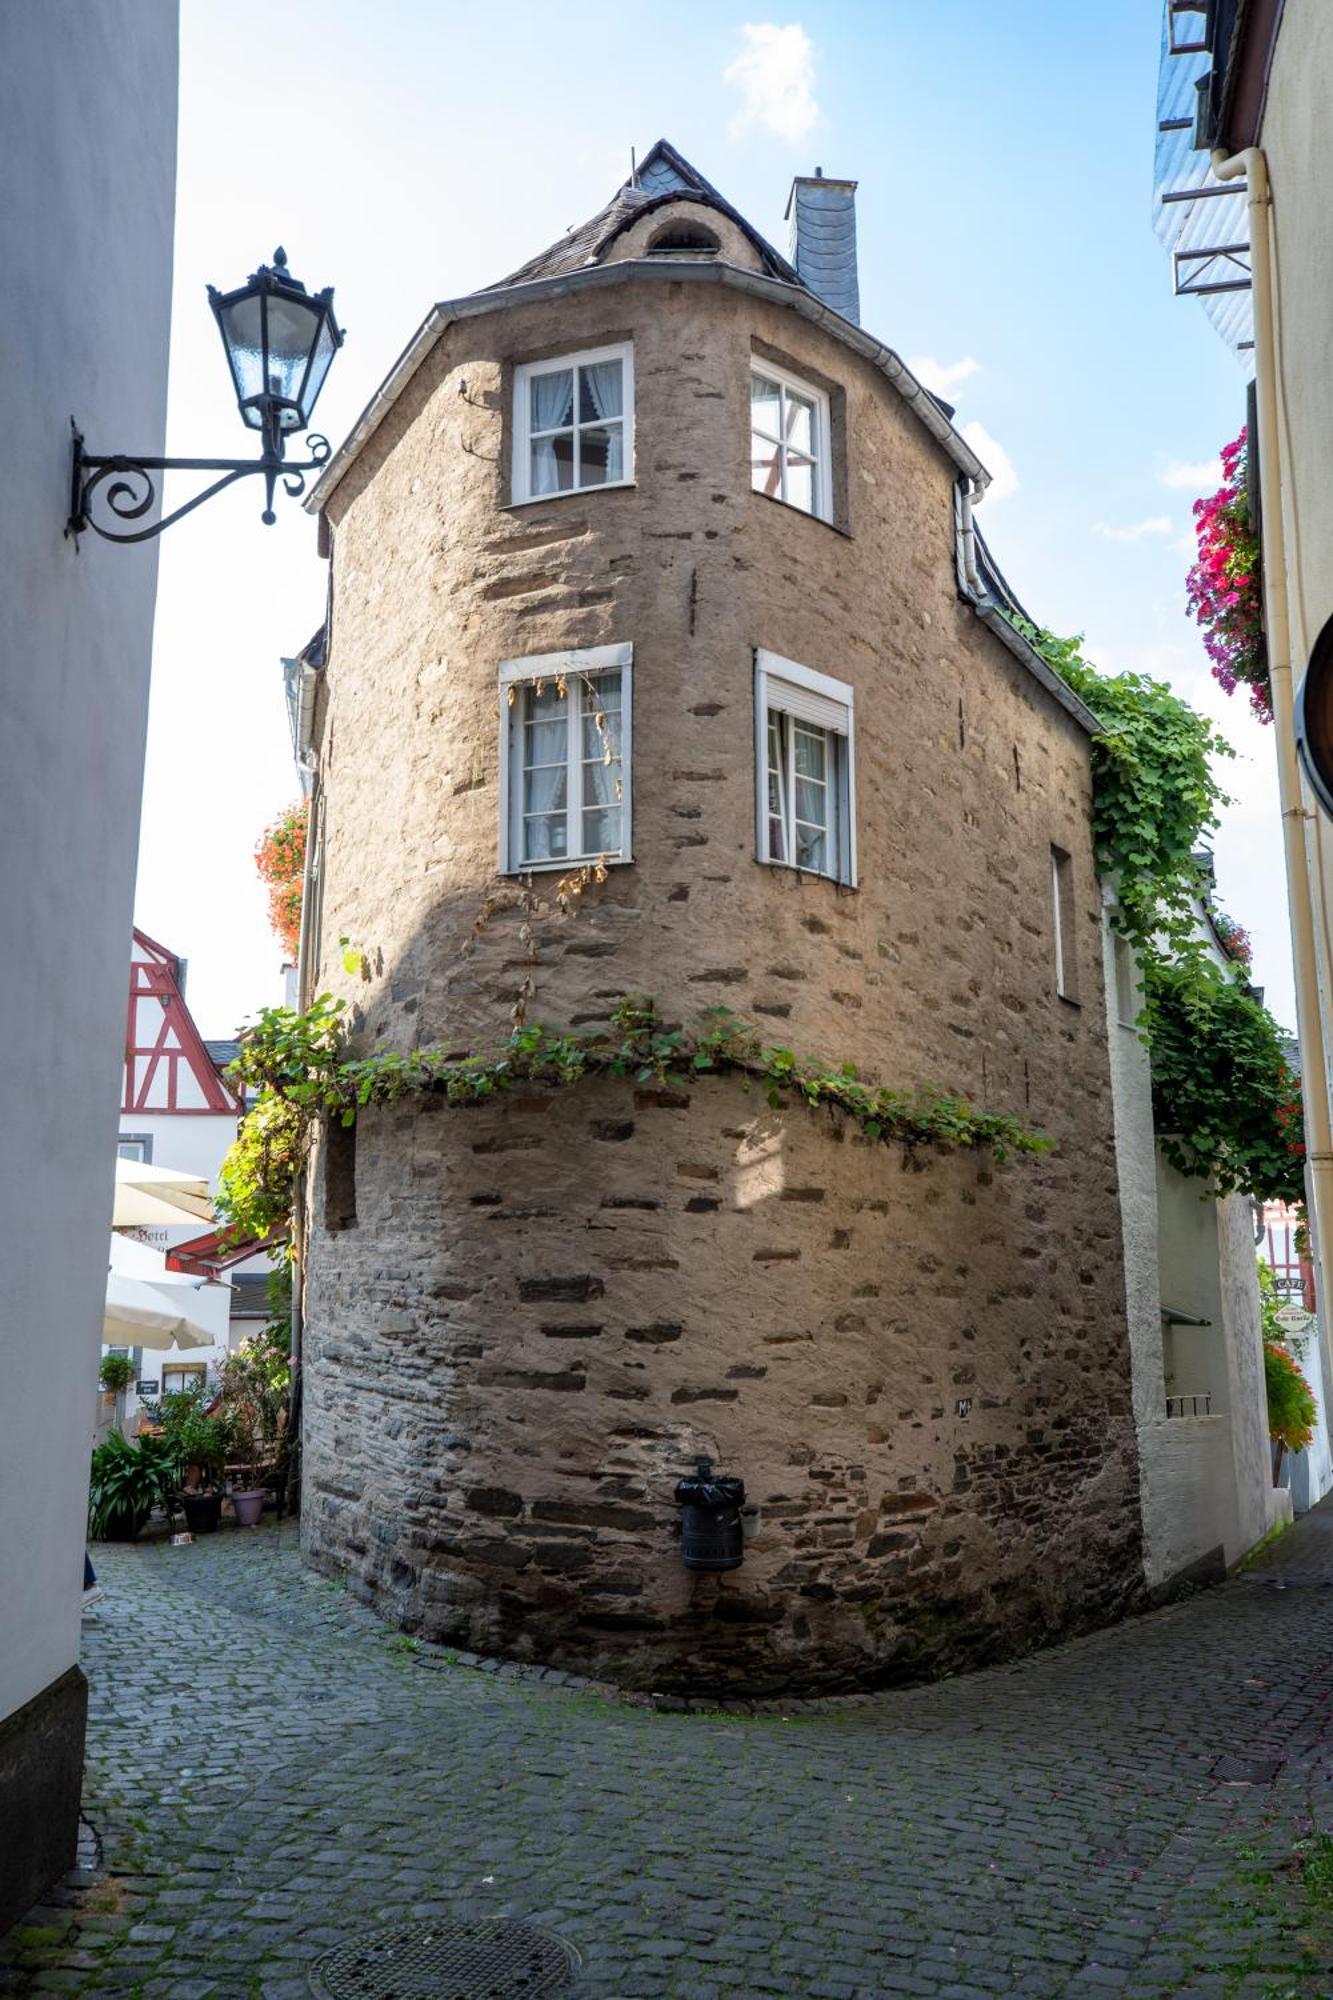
(296, 1062)
(1225, 1100)
(1227, 1104)
(1155, 798)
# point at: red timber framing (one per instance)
(167, 1067)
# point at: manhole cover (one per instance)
(1247, 1770)
(447, 1961)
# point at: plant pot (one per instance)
(203, 1511)
(124, 1524)
(248, 1506)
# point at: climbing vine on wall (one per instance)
(1225, 1099)
(1227, 1103)
(296, 1062)
(1155, 798)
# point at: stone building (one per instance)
(650, 553)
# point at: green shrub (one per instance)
(116, 1373)
(128, 1481)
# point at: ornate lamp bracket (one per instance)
(107, 489)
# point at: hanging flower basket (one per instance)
(1225, 586)
(1235, 940)
(280, 859)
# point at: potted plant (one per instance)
(255, 1383)
(128, 1481)
(198, 1435)
(116, 1373)
(249, 1467)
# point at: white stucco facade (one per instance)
(87, 164)
(177, 1111)
(1200, 1408)
(1298, 149)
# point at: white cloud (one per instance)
(1203, 477)
(941, 376)
(775, 74)
(1004, 480)
(1156, 524)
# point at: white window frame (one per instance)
(521, 482)
(1062, 915)
(823, 440)
(548, 667)
(192, 1371)
(1126, 970)
(778, 684)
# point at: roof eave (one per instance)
(991, 616)
(506, 297)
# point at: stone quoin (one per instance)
(524, 1322)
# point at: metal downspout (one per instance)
(295, 1417)
(1305, 945)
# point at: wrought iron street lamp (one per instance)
(279, 341)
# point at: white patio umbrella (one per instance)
(142, 1315)
(148, 1197)
(145, 1301)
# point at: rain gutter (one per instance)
(972, 588)
(795, 298)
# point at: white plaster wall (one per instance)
(1308, 1475)
(1297, 139)
(1136, 1165)
(1259, 1504)
(1203, 1480)
(197, 1143)
(1298, 143)
(87, 168)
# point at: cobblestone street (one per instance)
(271, 1772)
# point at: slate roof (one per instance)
(222, 1053)
(249, 1295)
(664, 176)
(578, 261)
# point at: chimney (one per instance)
(823, 240)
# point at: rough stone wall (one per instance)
(1004, 1294)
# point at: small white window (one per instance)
(565, 759)
(804, 769)
(574, 423)
(1062, 906)
(189, 1375)
(789, 441)
(1126, 981)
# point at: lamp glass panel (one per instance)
(242, 331)
(325, 349)
(293, 329)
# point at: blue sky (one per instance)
(408, 152)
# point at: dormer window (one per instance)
(684, 239)
(574, 423)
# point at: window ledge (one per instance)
(567, 865)
(805, 874)
(573, 493)
(788, 507)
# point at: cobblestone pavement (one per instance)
(270, 1772)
